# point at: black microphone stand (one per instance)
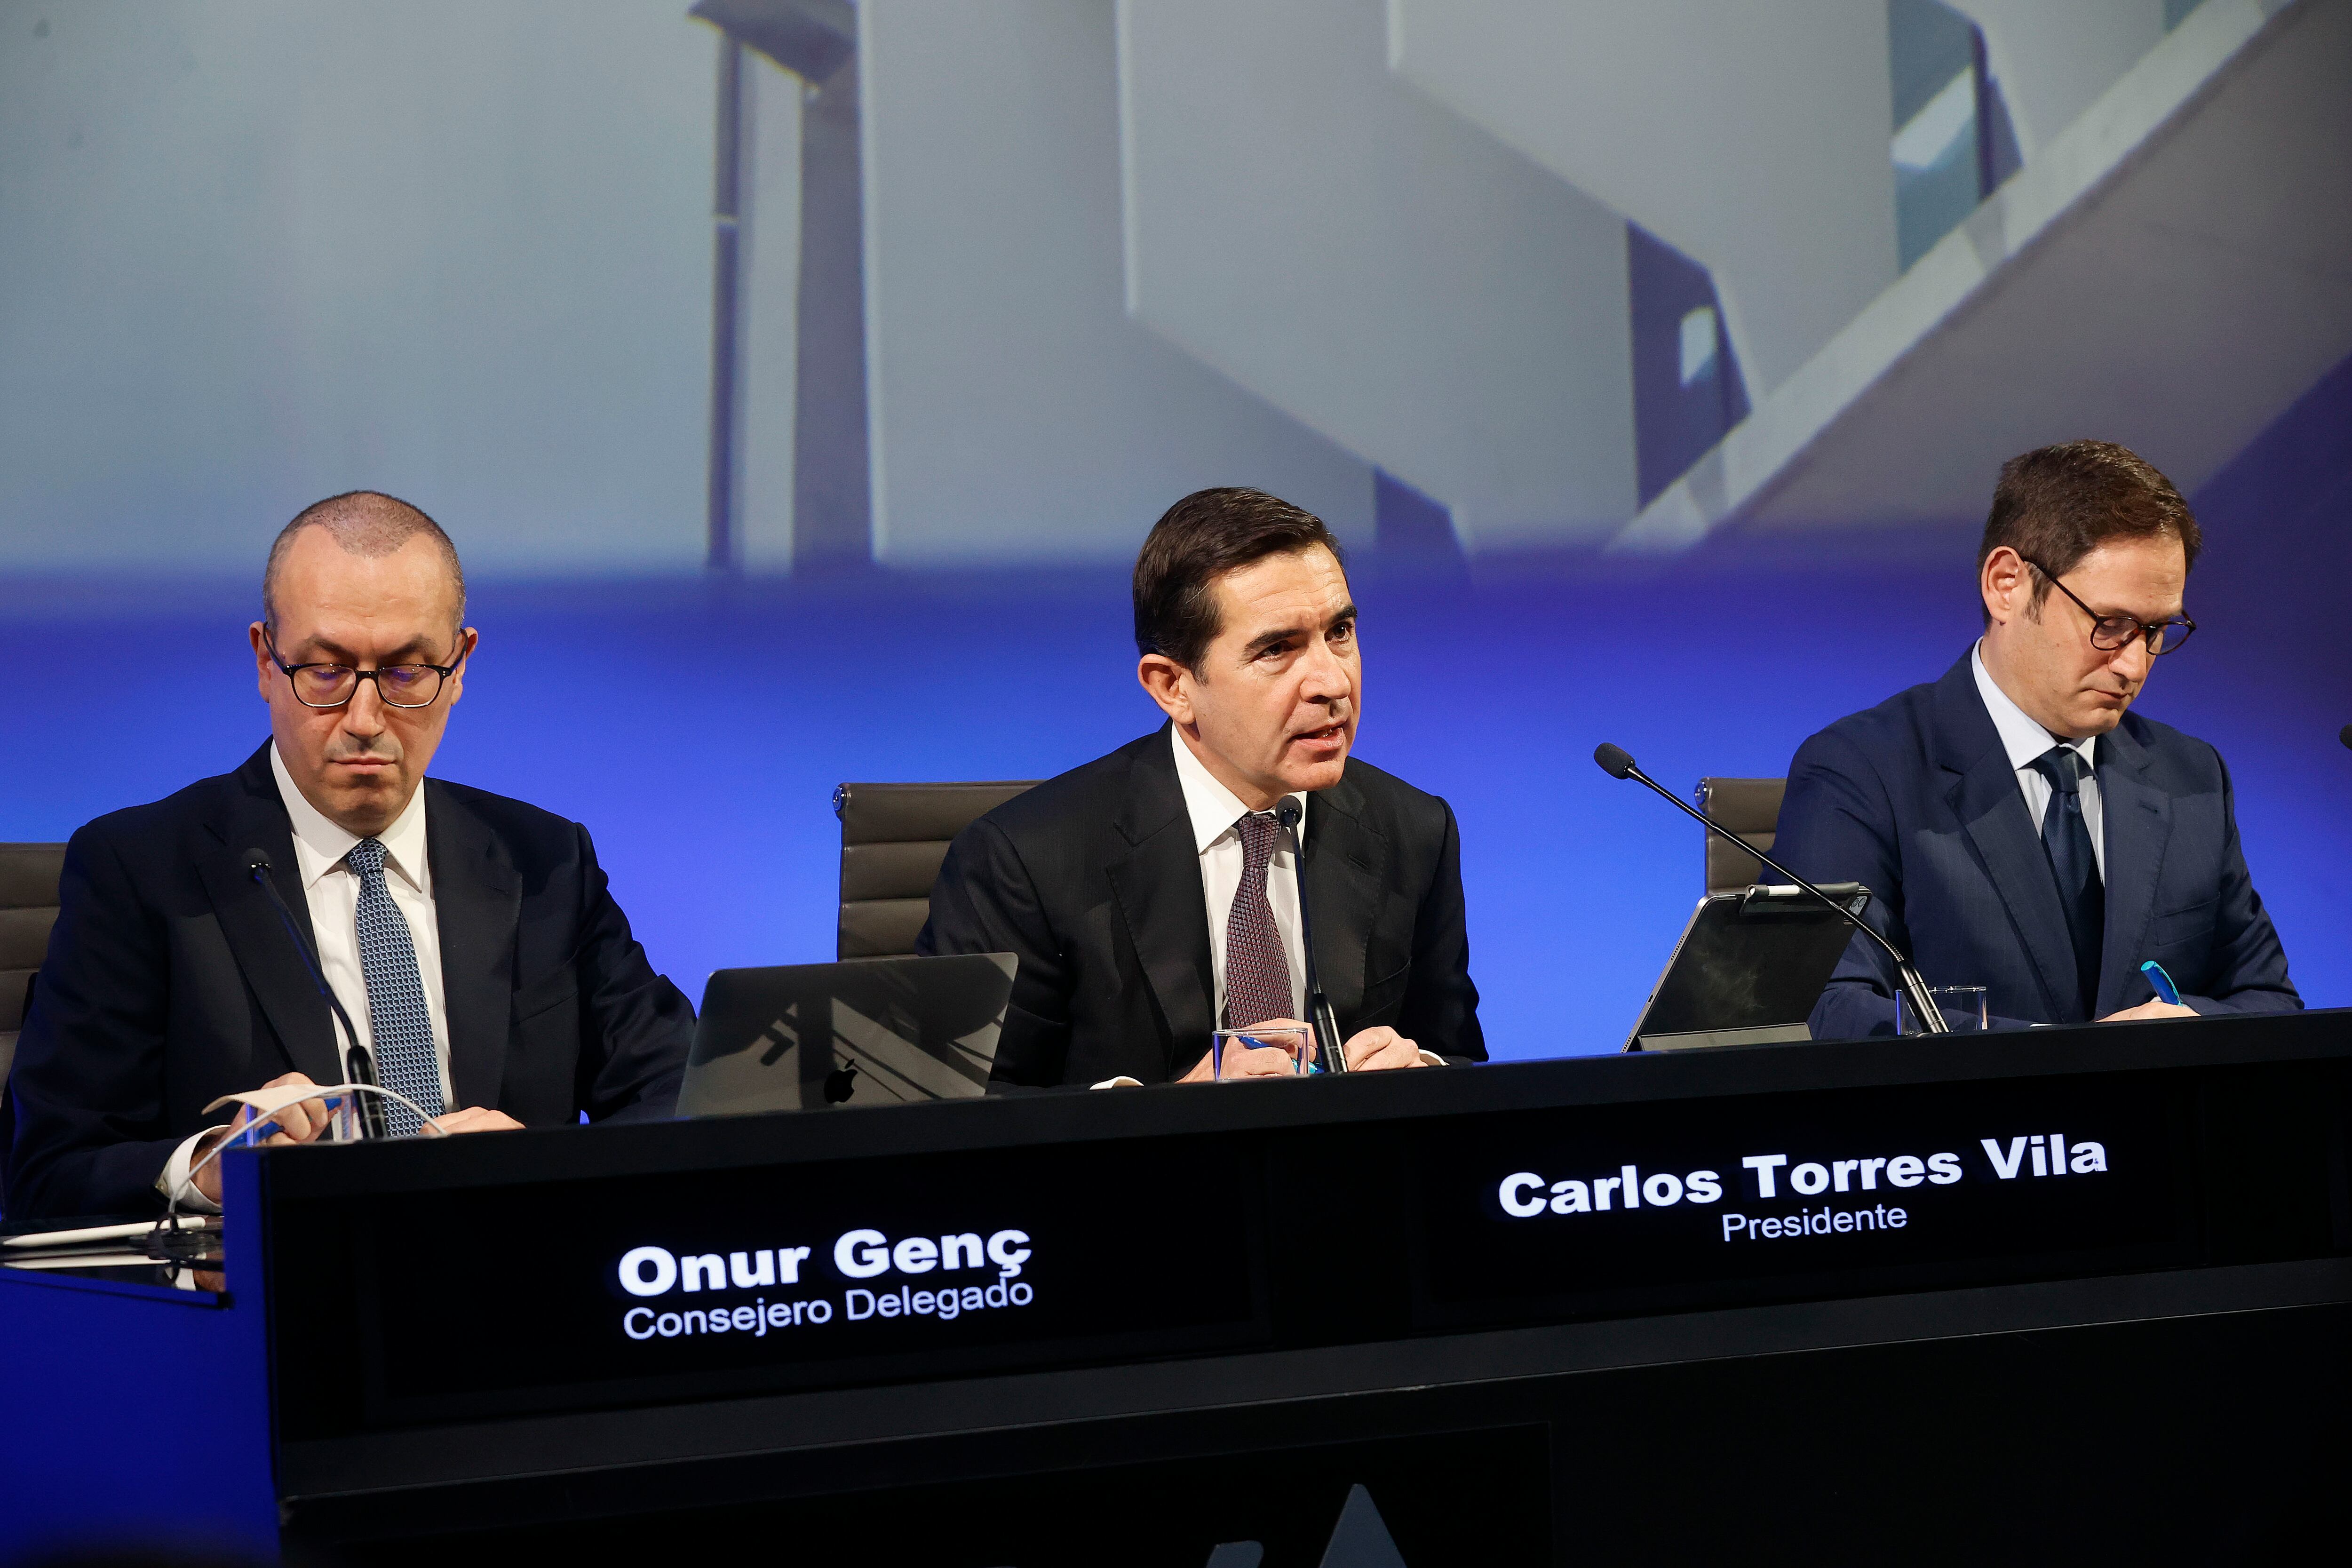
(360, 1059)
(1617, 763)
(1318, 1007)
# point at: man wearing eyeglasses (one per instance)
(2020, 827)
(470, 939)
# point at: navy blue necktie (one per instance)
(398, 1022)
(2067, 838)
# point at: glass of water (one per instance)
(1963, 1008)
(1231, 1051)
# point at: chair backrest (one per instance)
(28, 908)
(1748, 807)
(893, 837)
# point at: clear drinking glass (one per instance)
(1226, 1046)
(1963, 1008)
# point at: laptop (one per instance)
(869, 1031)
(1749, 969)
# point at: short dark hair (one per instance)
(362, 523)
(2054, 505)
(1198, 541)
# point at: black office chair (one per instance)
(28, 908)
(1748, 807)
(893, 837)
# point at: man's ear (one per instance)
(264, 667)
(467, 640)
(1170, 685)
(2006, 583)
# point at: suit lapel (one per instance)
(254, 818)
(477, 898)
(1345, 859)
(2139, 829)
(1991, 808)
(1158, 884)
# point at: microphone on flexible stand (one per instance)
(1318, 1007)
(2345, 735)
(1618, 763)
(361, 1062)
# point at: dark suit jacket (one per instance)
(170, 981)
(1916, 800)
(1092, 879)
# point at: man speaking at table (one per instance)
(2018, 827)
(471, 939)
(1150, 895)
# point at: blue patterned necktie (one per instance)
(397, 1019)
(2067, 838)
(1257, 971)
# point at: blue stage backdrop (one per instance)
(1655, 363)
(698, 727)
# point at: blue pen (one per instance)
(2166, 991)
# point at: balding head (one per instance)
(364, 523)
(358, 587)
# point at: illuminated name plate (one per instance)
(714, 1283)
(1595, 1210)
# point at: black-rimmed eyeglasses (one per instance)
(332, 685)
(2111, 633)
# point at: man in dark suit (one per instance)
(2018, 827)
(1150, 895)
(470, 939)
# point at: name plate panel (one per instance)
(1606, 1210)
(709, 1284)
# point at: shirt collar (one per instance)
(1213, 807)
(320, 844)
(2020, 737)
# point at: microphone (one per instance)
(1318, 1007)
(2345, 735)
(363, 1063)
(1618, 763)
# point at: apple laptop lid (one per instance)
(871, 1031)
(1749, 968)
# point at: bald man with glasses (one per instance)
(470, 940)
(2020, 826)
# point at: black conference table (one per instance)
(2079, 1292)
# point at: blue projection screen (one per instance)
(814, 380)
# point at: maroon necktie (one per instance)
(1258, 975)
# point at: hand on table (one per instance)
(1381, 1050)
(2150, 1009)
(307, 1120)
(1378, 1050)
(477, 1119)
(302, 1123)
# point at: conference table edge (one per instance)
(725, 1142)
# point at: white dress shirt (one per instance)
(331, 889)
(1215, 810)
(2024, 740)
